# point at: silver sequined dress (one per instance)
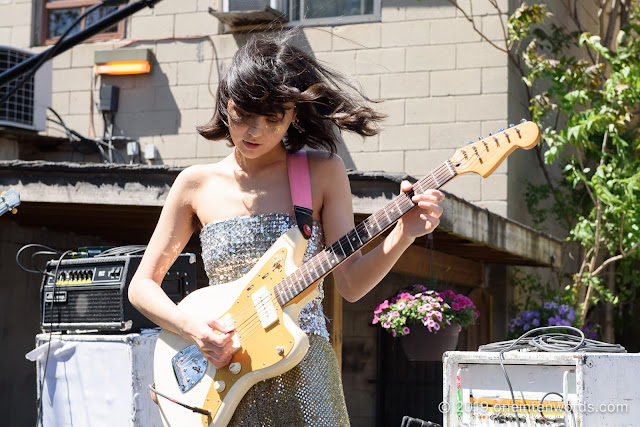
(311, 393)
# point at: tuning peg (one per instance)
(470, 142)
(501, 130)
(14, 211)
(510, 125)
(523, 120)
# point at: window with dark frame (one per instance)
(59, 14)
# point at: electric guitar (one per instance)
(264, 305)
(9, 201)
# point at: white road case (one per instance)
(98, 380)
(587, 389)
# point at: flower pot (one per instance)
(422, 345)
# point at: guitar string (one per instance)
(249, 330)
(407, 204)
(441, 172)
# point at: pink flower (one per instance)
(396, 314)
(455, 306)
(386, 325)
(428, 306)
(375, 320)
(425, 298)
(449, 293)
(394, 300)
(436, 326)
(422, 308)
(393, 333)
(410, 303)
(405, 330)
(405, 295)
(438, 315)
(401, 305)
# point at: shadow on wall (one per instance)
(146, 105)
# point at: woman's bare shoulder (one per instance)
(195, 176)
(325, 162)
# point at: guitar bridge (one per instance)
(189, 365)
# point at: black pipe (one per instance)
(105, 23)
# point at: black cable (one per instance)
(46, 362)
(122, 250)
(51, 51)
(38, 253)
(33, 245)
(184, 405)
(554, 342)
(544, 397)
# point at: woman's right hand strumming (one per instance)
(214, 339)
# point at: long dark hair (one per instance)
(269, 72)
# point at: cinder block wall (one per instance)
(442, 83)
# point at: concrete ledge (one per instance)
(465, 229)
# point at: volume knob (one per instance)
(235, 368)
(219, 386)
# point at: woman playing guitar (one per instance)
(274, 100)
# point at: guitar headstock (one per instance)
(485, 155)
(9, 200)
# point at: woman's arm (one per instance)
(361, 273)
(172, 232)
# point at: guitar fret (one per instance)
(287, 291)
(342, 249)
(358, 235)
(387, 213)
(435, 179)
(306, 270)
(335, 255)
(349, 241)
(377, 223)
(400, 212)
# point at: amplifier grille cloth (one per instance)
(104, 305)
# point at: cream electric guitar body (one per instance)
(271, 342)
(264, 305)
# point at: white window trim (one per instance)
(340, 20)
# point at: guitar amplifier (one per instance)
(90, 294)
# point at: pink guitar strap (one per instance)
(300, 183)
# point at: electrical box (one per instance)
(576, 389)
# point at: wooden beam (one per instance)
(423, 263)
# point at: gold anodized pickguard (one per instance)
(259, 346)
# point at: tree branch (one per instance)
(616, 258)
(473, 24)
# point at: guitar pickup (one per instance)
(264, 307)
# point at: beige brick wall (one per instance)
(442, 83)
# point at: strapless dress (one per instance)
(311, 393)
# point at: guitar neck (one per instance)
(332, 256)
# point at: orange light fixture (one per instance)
(122, 62)
(119, 68)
